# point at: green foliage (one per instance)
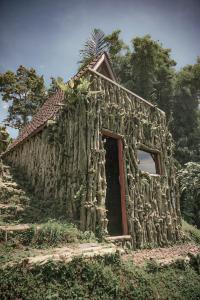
(75, 91)
(146, 69)
(99, 233)
(94, 46)
(153, 72)
(98, 278)
(195, 262)
(54, 233)
(189, 180)
(180, 263)
(54, 87)
(152, 266)
(191, 232)
(51, 233)
(186, 120)
(119, 53)
(25, 93)
(4, 139)
(116, 45)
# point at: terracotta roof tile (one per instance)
(48, 110)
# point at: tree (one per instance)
(186, 124)
(119, 53)
(189, 180)
(25, 92)
(153, 72)
(54, 87)
(94, 46)
(147, 68)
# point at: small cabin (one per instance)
(103, 158)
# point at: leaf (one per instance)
(71, 84)
(94, 46)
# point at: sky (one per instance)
(146, 162)
(48, 34)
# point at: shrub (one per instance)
(98, 278)
(50, 233)
(191, 232)
(189, 180)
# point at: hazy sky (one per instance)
(47, 34)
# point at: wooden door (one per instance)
(115, 196)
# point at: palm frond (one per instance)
(94, 46)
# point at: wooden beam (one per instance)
(111, 134)
(118, 238)
(126, 90)
(102, 60)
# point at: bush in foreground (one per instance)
(191, 232)
(99, 278)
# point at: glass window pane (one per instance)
(146, 164)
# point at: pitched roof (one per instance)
(95, 64)
(51, 107)
(46, 112)
(104, 61)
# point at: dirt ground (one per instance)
(163, 255)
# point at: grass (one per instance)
(50, 233)
(10, 253)
(191, 232)
(54, 232)
(105, 278)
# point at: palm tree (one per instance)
(94, 46)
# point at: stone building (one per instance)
(103, 157)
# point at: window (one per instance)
(149, 162)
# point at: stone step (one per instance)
(10, 190)
(7, 178)
(124, 241)
(6, 170)
(10, 208)
(11, 198)
(66, 254)
(14, 198)
(118, 238)
(10, 212)
(12, 184)
(6, 167)
(6, 218)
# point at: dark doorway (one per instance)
(113, 194)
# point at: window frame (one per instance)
(156, 156)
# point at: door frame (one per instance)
(108, 133)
